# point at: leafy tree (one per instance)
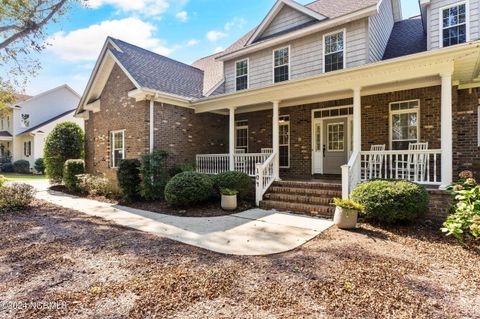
(66, 141)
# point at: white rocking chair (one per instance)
(375, 161)
(240, 163)
(415, 165)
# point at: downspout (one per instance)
(152, 124)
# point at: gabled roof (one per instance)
(407, 37)
(337, 8)
(212, 72)
(36, 127)
(24, 98)
(157, 72)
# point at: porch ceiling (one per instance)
(419, 70)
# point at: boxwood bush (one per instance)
(72, 168)
(188, 188)
(21, 166)
(16, 196)
(39, 166)
(238, 181)
(391, 201)
(129, 180)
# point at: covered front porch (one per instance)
(358, 123)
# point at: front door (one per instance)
(334, 144)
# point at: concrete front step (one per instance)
(314, 210)
(306, 191)
(293, 198)
(308, 184)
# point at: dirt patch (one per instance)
(209, 209)
(102, 270)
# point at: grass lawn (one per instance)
(102, 270)
(22, 177)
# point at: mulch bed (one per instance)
(210, 209)
(102, 270)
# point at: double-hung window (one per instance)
(27, 148)
(334, 51)
(404, 124)
(241, 137)
(117, 146)
(241, 75)
(454, 25)
(284, 129)
(281, 65)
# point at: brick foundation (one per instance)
(438, 206)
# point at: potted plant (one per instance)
(346, 213)
(229, 198)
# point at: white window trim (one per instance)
(112, 144)
(27, 145)
(243, 127)
(289, 47)
(344, 30)
(286, 123)
(248, 74)
(344, 138)
(390, 113)
(440, 20)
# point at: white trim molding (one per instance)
(247, 75)
(289, 47)
(344, 31)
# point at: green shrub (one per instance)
(21, 166)
(391, 201)
(39, 166)
(3, 180)
(66, 141)
(347, 204)
(128, 175)
(94, 185)
(72, 168)
(154, 172)
(228, 192)
(188, 188)
(16, 196)
(183, 167)
(238, 181)
(7, 167)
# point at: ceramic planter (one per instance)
(345, 218)
(229, 202)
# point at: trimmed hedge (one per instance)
(188, 188)
(21, 166)
(129, 180)
(65, 141)
(39, 165)
(391, 201)
(7, 167)
(238, 181)
(72, 168)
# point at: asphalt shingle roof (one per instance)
(338, 8)
(408, 37)
(157, 72)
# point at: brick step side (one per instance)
(292, 198)
(310, 185)
(305, 191)
(313, 210)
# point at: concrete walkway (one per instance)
(253, 232)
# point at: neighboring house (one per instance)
(306, 93)
(24, 130)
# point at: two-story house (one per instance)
(336, 90)
(24, 129)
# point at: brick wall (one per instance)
(438, 206)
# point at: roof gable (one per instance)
(337, 8)
(284, 15)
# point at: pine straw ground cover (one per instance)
(102, 270)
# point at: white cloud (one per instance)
(218, 49)
(193, 42)
(85, 44)
(215, 35)
(235, 23)
(146, 7)
(182, 16)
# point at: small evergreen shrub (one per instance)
(391, 201)
(3, 180)
(183, 167)
(21, 167)
(188, 188)
(72, 168)
(128, 175)
(16, 196)
(66, 141)
(238, 181)
(39, 165)
(154, 172)
(7, 167)
(94, 185)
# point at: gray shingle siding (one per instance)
(379, 29)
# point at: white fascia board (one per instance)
(143, 94)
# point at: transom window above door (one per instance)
(334, 55)
(241, 75)
(404, 123)
(281, 65)
(454, 25)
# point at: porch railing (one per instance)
(264, 177)
(219, 163)
(422, 166)
(246, 163)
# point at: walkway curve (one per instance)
(253, 232)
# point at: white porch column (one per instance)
(231, 138)
(152, 125)
(276, 137)
(357, 120)
(446, 114)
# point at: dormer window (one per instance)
(241, 74)
(334, 55)
(281, 65)
(454, 25)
